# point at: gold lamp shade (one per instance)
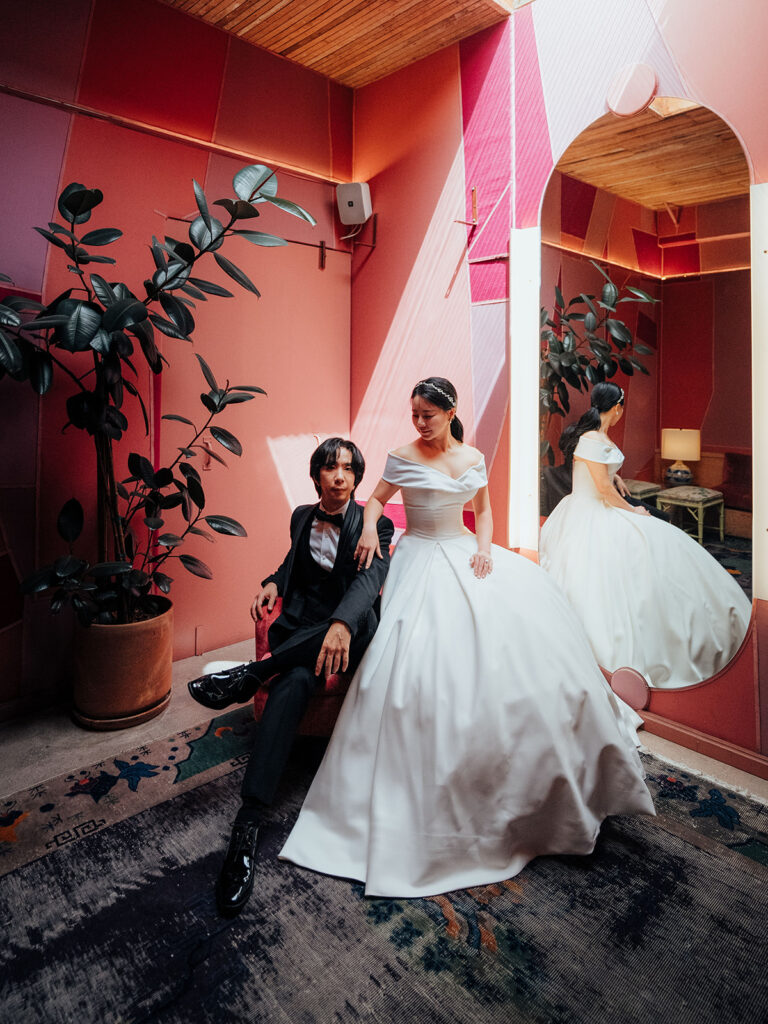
(679, 445)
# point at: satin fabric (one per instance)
(478, 731)
(648, 595)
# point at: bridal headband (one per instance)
(449, 398)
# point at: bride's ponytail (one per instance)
(457, 428)
(604, 396)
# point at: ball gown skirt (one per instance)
(647, 594)
(478, 731)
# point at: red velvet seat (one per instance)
(324, 707)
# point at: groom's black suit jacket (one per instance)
(348, 595)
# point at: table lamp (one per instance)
(679, 445)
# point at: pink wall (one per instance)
(410, 295)
(185, 80)
(705, 359)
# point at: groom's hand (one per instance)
(334, 654)
(266, 596)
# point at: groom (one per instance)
(328, 618)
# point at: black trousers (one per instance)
(289, 695)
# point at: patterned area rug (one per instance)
(735, 555)
(108, 913)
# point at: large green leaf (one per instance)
(53, 239)
(178, 313)
(609, 294)
(236, 274)
(179, 419)
(76, 202)
(259, 237)
(141, 468)
(41, 371)
(167, 328)
(196, 492)
(204, 237)
(227, 440)
(255, 183)
(124, 313)
(293, 208)
(70, 520)
(211, 288)
(207, 372)
(102, 236)
(202, 204)
(619, 330)
(84, 321)
(196, 567)
(249, 387)
(103, 290)
(226, 525)
(10, 354)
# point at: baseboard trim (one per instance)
(729, 753)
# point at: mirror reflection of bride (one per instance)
(647, 594)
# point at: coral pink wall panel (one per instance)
(410, 297)
(29, 171)
(260, 113)
(687, 352)
(728, 422)
(486, 70)
(293, 342)
(43, 45)
(147, 62)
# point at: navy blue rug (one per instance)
(662, 923)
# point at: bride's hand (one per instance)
(482, 563)
(640, 510)
(367, 547)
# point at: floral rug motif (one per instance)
(67, 808)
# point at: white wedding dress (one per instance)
(648, 595)
(478, 731)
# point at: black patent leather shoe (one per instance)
(235, 881)
(220, 689)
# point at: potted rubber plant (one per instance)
(583, 342)
(91, 336)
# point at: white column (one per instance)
(759, 233)
(524, 303)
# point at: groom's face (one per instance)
(337, 481)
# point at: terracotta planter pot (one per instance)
(122, 674)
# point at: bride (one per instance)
(478, 731)
(647, 594)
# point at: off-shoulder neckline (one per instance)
(434, 469)
(599, 440)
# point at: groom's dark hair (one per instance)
(325, 455)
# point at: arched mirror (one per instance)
(646, 283)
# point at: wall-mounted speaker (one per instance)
(354, 202)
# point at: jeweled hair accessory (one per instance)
(429, 384)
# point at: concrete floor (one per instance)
(41, 746)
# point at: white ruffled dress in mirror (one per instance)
(648, 595)
(478, 731)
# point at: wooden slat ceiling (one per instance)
(354, 42)
(688, 158)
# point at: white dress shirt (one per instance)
(324, 539)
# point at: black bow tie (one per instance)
(326, 517)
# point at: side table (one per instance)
(696, 500)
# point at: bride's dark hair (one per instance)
(604, 397)
(442, 393)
